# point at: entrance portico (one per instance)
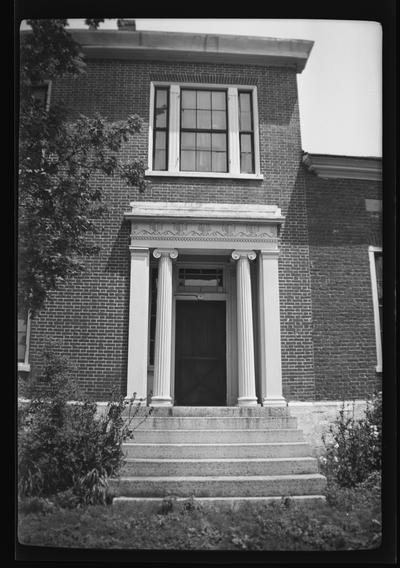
(232, 237)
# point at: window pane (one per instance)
(204, 119)
(188, 141)
(245, 101)
(188, 99)
(204, 99)
(245, 143)
(161, 140)
(188, 119)
(246, 163)
(21, 339)
(219, 120)
(204, 161)
(219, 142)
(161, 118)
(40, 94)
(379, 273)
(245, 121)
(161, 98)
(204, 141)
(218, 101)
(161, 108)
(219, 162)
(160, 160)
(188, 161)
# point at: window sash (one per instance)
(200, 123)
(160, 132)
(246, 132)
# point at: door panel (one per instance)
(200, 353)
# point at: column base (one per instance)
(161, 401)
(274, 401)
(136, 401)
(247, 401)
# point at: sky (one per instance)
(340, 89)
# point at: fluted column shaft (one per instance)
(162, 357)
(247, 383)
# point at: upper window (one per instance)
(23, 333)
(376, 268)
(203, 131)
(41, 94)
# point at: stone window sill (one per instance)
(210, 175)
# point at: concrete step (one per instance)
(154, 504)
(218, 450)
(220, 436)
(216, 422)
(218, 467)
(220, 486)
(210, 411)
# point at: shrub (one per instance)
(356, 447)
(64, 446)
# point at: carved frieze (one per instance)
(192, 231)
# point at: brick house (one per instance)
(248, 272)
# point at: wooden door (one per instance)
(200, 353)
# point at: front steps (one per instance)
(217, 455)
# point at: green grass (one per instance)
(349, 520)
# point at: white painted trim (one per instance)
(232, 129)
(377, 324)
(256, 134)
(174, 126)
(183, 211)
(151, 126)
(188, 47)
(343, 167)
(138, 323)
(220, 175)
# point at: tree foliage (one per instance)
(58, 201)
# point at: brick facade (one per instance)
(327, 329)
(340, 231)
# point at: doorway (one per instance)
(200, 353)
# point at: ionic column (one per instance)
(270, 330)
(247, 383)
(162, 357)
(138, 324)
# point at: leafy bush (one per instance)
(356, 447)
(66, 447)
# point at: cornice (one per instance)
(203, 212)
(201, 48)
(343, 167)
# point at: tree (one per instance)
(58, 205)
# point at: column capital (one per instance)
(159, 252)
(250, 254)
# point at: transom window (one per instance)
(204, 130)
(201, 279)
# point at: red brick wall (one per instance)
(340, 231)
(89, 315)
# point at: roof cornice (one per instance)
(343, 167)
(199, 48)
